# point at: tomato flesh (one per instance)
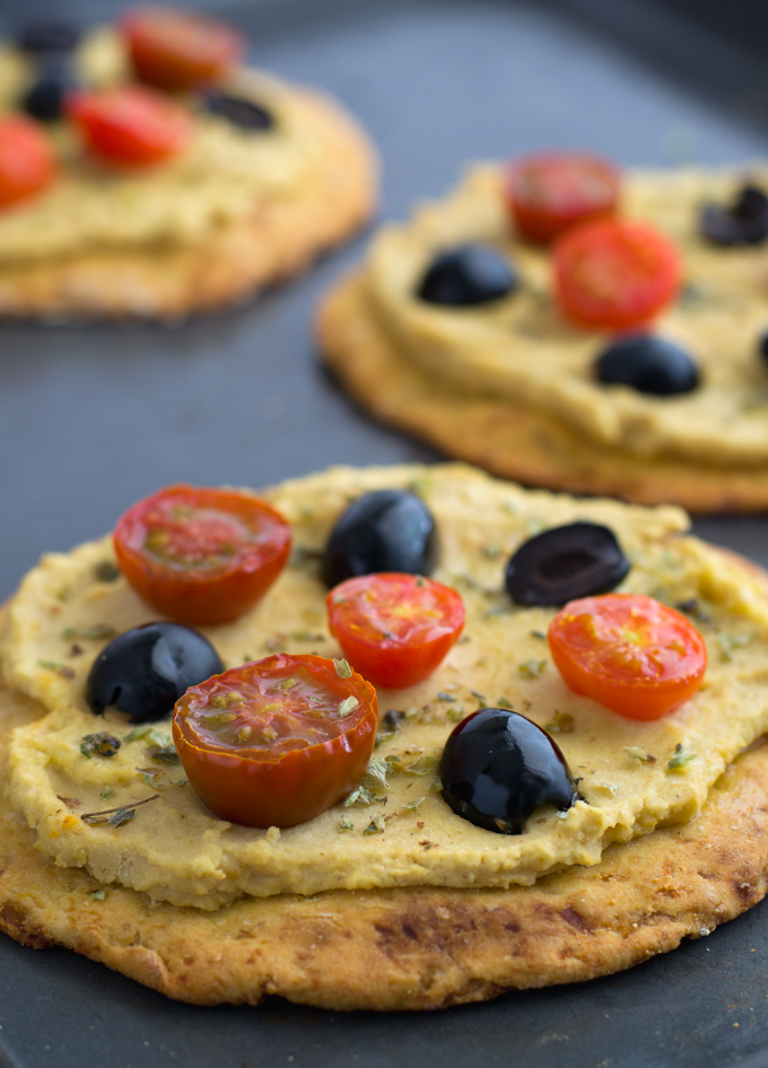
(394, 628)
(27, 162)
(202, 555)
(615, 273)
(549, 192)
(276, 741)
(628, 652)
(174, 49)
(130, 126)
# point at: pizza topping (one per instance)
(574, 560)
(51, 36)
(549, 192)
(244, 114)
(628, 652)
(129, 125)
(202, 555)
(648, 364)
(745, 222)
(395, 629)
(45, 98)
(27, 164)
(277, 741)
(147, 669)
(498, 767)
(467, 275)
(387, 530)
(615, 273)
(174, 49)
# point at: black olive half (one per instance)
(558, 565)
(498, 767)
(44, 100)
(146, 670)
(649, 365)
(469, 274)
(387, 530)
(745, 222)
(239, 111)
(52, 35)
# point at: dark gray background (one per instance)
(92, 418)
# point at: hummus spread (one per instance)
(220, 178)
(399, 832)
(522, 349)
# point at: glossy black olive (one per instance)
(762, 345)
(146, 670)
(498, 767)
(387, 530)
(745, 222)
(558, 565)
(649, 365)
(239, 111)
(52, 35)
(44, 100)
(469, 274)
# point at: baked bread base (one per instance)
(278, 240)
(506, 439)
(403, 949)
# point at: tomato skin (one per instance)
(548, 192)
(174, 49)
(130, 125)
(27, 161)
(615, 273)
(628, 652)
(260, 788)
(422, 618)
(202, 593)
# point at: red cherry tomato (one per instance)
(202, 555)
(615, 273)
(175, 49)
(393, 628)
(130, 126)
(278, 741)
(629, 653)
(549, 192)
(27, 162)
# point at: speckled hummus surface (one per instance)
(175, 850)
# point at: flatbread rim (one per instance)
(405, 949)
(279, 240)
(505, 439)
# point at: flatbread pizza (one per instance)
(613, 836)
(158, 176)
(625, 356)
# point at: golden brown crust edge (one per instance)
(404, 949)
(279, 240)
(507, 440)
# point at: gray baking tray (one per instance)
(93, 418)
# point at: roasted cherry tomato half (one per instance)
(202, 555)
(278, 741)
(629, 653)
(551, 191)
(174, 49)
(130, 126)
(27, 162)
(394, 628)
(615, 273)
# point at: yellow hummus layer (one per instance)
(176, 850)
(521, 347)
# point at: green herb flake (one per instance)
(179, 782)
(165, 753)
(493, 552)
(100, 744)
(99, 895)
(455, 715)
(306, 636)
(98, 632)
(124, 815)
(60, 669)
(435, 785)
(413, 806)
(728, 643)
(107, 792)
(137, 733)
(561, 723)
(539, 634)
(347, 706)
(443, 696)
(106, 571)
(68, 634)
(343, 670)
(636, 755)
(345, 824)
(531, 669)
(375, 777)
(116, 816)
(361, 796)
(680, 759)
(376, 826)
(503, 702)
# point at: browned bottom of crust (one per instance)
(504, 439)
(280, 239)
